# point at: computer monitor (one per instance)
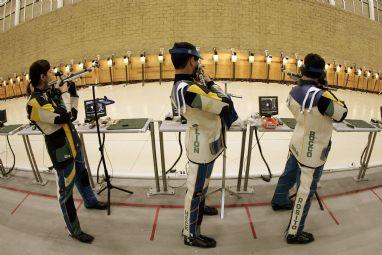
(3, 117)
(89, 109)
(268, 106)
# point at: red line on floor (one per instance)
(375, 193)
(149, 205)
(22, 201)
(330, 212)
(33, 193)
(181, 206)
(79, 205)
(248, 205)
(154, 224)
(251, 222)
(351, 192)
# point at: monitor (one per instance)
(3, 116)
(89, 109)
(268, 106)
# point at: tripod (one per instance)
(108, 186)
(223, 188)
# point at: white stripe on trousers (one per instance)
(303, 191)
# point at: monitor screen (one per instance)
(268, 106)
(3, 116)
(89, 109)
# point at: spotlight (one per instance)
(233, 57)
(338, 68)
(367, 74)
(5, 83)
(125, 60)
(160, 56)
(142, 58)
(299, 63)
(11, 81)
(215, 56)
(55, 69)
(81, 66)
(160, 60)
(359, 72)
(251, 57)
(376, 76)
(18, 79)
(109, 62)
(269, 59)
(285, 61)
(67, 68)
(349, 70)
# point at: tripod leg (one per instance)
(101, 190)
(125, 190)
(293, 195)
(319, 201)
(108, 200)
(214, 191)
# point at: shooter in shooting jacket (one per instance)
(208, 111)
(52, 111)
(314, 108)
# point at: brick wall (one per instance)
(92, 27)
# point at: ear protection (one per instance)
(320, 74)
(309, 69)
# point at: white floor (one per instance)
(130, 155)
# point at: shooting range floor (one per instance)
(129, 155)
(31, 222)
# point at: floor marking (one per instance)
(17, 207)
(251, 222)
(375, 193)
(155, 224)
(330, 212)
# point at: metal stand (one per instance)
(365, 158)
(38, 180)
(160, 73)
(157, 190)
(247, 190)
(241, 165)
(108, 186)
(143, 75)
(223, 188)
(166, 190)
(4, 174)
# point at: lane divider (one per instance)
(251, 222)
(22, 201)
(375, 193)
(330, 212)
(155, 224)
